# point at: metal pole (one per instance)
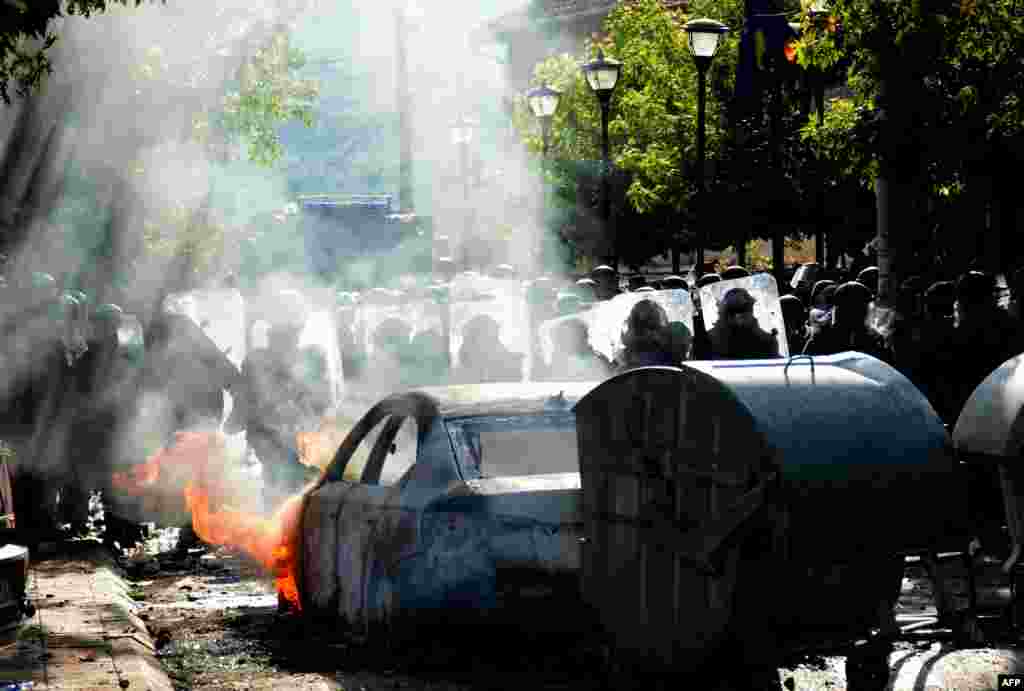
(882, 243)
(775, 120)
(545, 129)
(467, 231)
(701, 106)
(606, 200)
(405, 179)
(819, 231)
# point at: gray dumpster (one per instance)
(989, 435)
(736, 498)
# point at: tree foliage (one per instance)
(26, 33)
(936, 88)
(654, 108)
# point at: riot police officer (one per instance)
(849, 329)
(737, 335)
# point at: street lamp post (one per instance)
(543, 102)
(405, 19)
(462, 136)
(703, 39)
(602, 75)
(818, 12)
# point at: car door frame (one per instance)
(389, 534)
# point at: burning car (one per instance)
(459, 498)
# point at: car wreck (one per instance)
(455, 499)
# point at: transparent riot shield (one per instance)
(606, 320)
(220, 314)
(321, 333)
(384, 330)
(763, 289)
(477, 299)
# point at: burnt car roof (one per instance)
(511, 398)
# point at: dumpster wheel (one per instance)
(867, 666)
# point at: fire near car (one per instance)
(455, 499)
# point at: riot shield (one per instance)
(502, 300)
(220, 316)
(321, 333)
(402, 340)
(763, 289)
(606, 320)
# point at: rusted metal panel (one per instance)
(636, 433)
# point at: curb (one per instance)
(85, 633)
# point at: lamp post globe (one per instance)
(602, 75)
(703, 37)
(543, 101)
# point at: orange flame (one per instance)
(273, 541)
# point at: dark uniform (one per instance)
(849, 329)
(483, 357)
(985, 337)
(647, 338)
(737, 335)
(286, 390)
(572, 358)
(607, 283)
(794, 314)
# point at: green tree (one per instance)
(652, 128)
(952, 81)
(26, 34)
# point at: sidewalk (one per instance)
(84, 634)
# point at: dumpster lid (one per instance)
(829, 413)
(991, 421)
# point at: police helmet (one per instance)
(793, 310)
(647, 324)
(738, 300)
(940, 297)
(734, 272)
(852, 292)
(868, 278)
(975, 287)
(708, 279)
(822, 287)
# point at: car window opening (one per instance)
(515, 446)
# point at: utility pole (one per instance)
(404, 100)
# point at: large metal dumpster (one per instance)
(989, 436)
(737, 498)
